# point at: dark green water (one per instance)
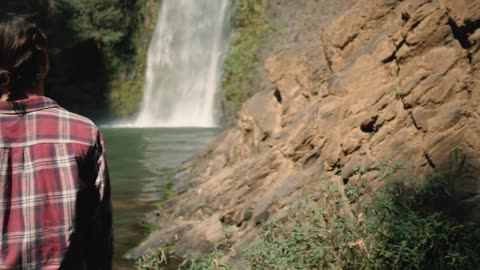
(139, 162)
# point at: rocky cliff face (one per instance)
(384, 80)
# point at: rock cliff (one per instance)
(343, 85)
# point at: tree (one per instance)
(100, 20)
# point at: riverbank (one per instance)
(349, 87)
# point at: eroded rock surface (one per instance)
(386, 80)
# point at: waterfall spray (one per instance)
(184, 64)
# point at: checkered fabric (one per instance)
(55, 210)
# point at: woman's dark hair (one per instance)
(23, 56)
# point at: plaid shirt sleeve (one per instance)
(92, 243)
(100, 248)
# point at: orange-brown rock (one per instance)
(387, 80)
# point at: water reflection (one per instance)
(140, 161)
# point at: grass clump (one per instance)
(319, 235)
(413, 228)
(208, 262)
(151, 261)
(158, 261)
(250, 27)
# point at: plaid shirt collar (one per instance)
(26, 105)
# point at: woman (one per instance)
(54, 188)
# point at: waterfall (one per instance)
(184, 64)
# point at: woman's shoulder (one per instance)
(75, 126)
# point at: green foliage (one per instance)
(227, 231)
(126, 92)
(352, 192)
(157, 261)
(250, 26)
(207, 262)
(148, 262)
(412, 228)
(125, 96)
(317, 235)
(398, 92)
(101, 20)
(407, 225)
(151, 261)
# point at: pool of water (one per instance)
(140, 161)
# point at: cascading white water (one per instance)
(184, 64)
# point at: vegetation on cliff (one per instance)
(126, 92)
(250, 27)
(404, 225)
(407, 225)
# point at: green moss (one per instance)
(126, 90)
(125, 94)
(242, 57)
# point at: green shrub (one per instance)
(100, 20)
(316, 235)
(149, 262)
(407, 225)
(413, 228)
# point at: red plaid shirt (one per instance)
(55, 194)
